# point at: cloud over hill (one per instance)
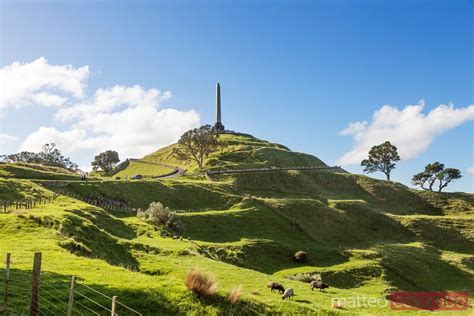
(128, 119)
(411, 130)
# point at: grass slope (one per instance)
(362, 235)
(35, 171)
(135, 168)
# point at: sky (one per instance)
(328, 78)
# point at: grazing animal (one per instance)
(180, 237)
(189, 238)
(289, 293)
(276, 286)
(319, 285)
(175, 237)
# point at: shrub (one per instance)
(141, 214)
(306, 277)
(300, 256)
(159, 215)
(174, 222)
(200, 282)
(233, 296)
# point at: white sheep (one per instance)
(289, 293)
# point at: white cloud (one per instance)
(5, 138)
(409, 129)
(128, 119)
(68, 141)
(26, 83)
(122, 118)
(470, 170)
(49, 100)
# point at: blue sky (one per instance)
(292, 72)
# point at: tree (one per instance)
(427, 178)
(50, 155)
(435, 171)
(197, 144)
(105, 161)
(382, 158)
(447, 176)
(24, 156)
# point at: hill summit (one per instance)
(238, 151)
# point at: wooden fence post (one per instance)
(35, 284)
(71, 296)
(112, 309)
(7, 282)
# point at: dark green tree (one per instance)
(381, 158)
(49, 155)
(428, 177)
(447, 176)
(435, 172)
(105, 161)
(196, 144)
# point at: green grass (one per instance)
(135, 168)
(362, 235)
(34, 171)
(14, 190)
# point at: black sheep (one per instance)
(276, 286)
(319, 285)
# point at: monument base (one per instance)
(218, 127)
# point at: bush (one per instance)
(306, 277)
(200, 282)
(300, 256)
(233, 296)
(159, 215)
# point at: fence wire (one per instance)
(54, 296)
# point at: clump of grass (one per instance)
(233, 296)
(255, 292)
(200, 282)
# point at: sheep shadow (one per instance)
(303, 301)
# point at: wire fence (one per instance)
(32, 292)
(267, 169)
(7, 206)
(105, 203)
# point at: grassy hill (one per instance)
(362, 235)
(35, 171)
(240, 152)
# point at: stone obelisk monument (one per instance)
(218, 127)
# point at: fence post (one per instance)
(71, 296)
(35, 280)
(112, 309)
(7, 282)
